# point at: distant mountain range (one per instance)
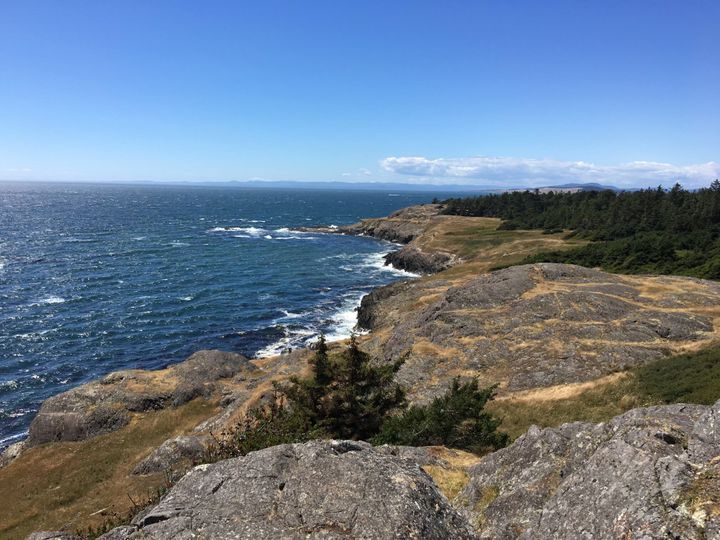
(391, 186)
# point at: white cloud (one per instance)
(507, 172)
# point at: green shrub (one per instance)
(456, 420)
(346, 396)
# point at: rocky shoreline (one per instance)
(525, 327)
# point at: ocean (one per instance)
(98, 278)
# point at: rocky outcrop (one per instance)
(10, 453)
(106, 405)
(320, 489)
(413, 259)
(649, 473)
(536, 325)
(400, 227)
(173, 453)
(53, 535)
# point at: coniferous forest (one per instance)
(657, 231)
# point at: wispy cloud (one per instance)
(358, 173)
(507, 171)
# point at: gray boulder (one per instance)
(53, 535)
(172, 453)
(320, 489)
(641, 475)
(106, 405)
(413, 259)
(10, 453)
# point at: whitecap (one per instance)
(13, 438)
(377, 261)
(252, 231)
(297, 337)
(10, 385)
(267, 237)
(345, 319)
(49, 300)
(177, 243)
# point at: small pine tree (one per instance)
(353, 395)
(345, 396)
(456, 420)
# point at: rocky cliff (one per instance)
(651, 473)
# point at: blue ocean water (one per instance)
(96, 278)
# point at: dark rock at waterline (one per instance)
(320, 489)
(368, 311)
(412, 259)
(649, 473)
(106, 405)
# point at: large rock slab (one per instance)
(320, 489)
(536, 325)
(173, 453)
(106, 405)
(645, 474)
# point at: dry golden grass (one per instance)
(75, 485)
(451, 479)
(562, 391)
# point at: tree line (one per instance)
(673, 231)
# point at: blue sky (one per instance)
(487, 93)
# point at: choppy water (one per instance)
(96, 278)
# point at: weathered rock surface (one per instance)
(173, 452)
(535, 325)
(400, 227)
(321, 489)
(106, 405)
(645, 474)
(53, 535)
(10, 453)
(413, 259)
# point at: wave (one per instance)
(253, 231)
(49, 300)
(6, 441)
(12, 384)
(377, 261)
(345, 319)
(292, 338)
(290, 315)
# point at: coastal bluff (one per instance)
(544, 333)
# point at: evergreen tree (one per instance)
(457, 419)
